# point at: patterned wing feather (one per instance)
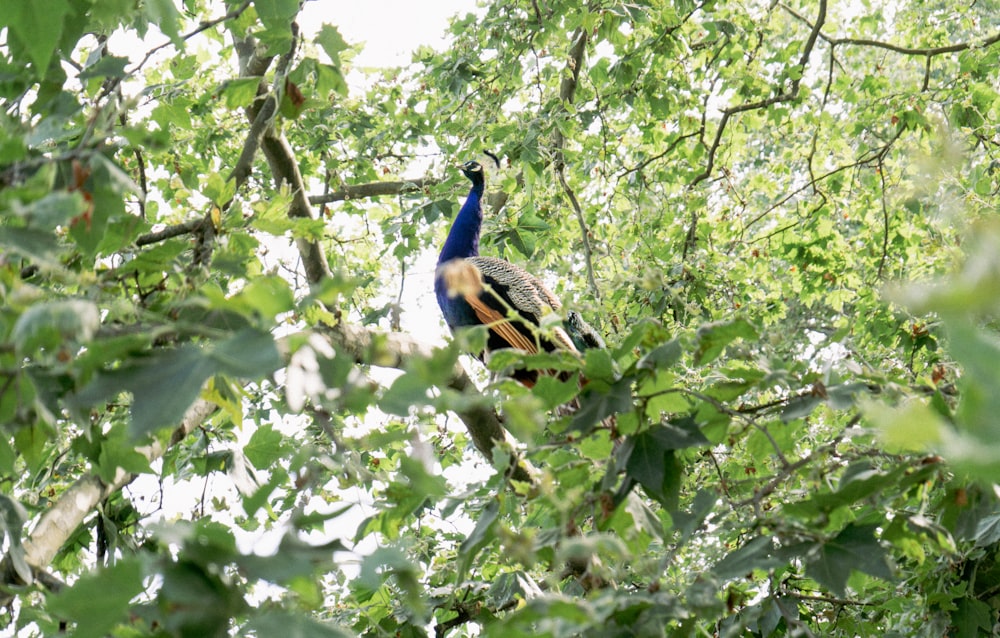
(525, 293)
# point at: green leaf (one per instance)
(293, 560)
(264, 447)
(912, 426)
(288, 625)
(391, 561)
(662, 356)
(218, 189)
(38, 27)
(554, 392)
(483, 534)
(277, 17)
(854, 548)
(13, 516)
(240, 92)
(55, 209)
(406, 392)
(108, 66)
(972, 618)
(7, 454)
(987, 531)
(117, 451)
(268, 296)
(39, 246)
(52, 324)
(249, 354)
(598, 404)
(800, 406)
(99, 601)
(714, 337)
(332, 43)
(94, 232)
(200, 603)
(654, 465)
(757, 553)
(164, 14)
(165, 385)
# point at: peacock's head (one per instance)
(475, 171)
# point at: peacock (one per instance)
(473, 290)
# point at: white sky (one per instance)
(390, 30)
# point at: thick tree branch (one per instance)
(61, 520)
(567, 88)
(374, 189)
(278, 153)
(169, 232)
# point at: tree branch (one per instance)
(169, 232)
(58, 523)
(567, 88)
(786, 96)
(584, 231)
(896, 48)
(374, 189)
(284, 168)
(567, 93)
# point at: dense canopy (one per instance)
(229, 406)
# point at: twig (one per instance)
(204, 26)
(880, 167)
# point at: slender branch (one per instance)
(204, 26)
(567, 93)
(786, 96)
(880, 167)
(896, 48)
(874, 155)
(787, 470)
(832, 600)
(584, 232)
(641, 166)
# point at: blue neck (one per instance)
(463, 240)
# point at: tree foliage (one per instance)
(221, 412)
